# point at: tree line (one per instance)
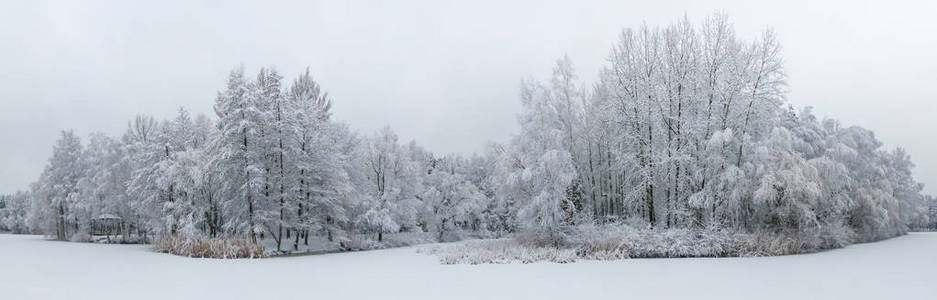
(272, 165)
(687, 127)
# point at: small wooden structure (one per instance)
(106, 224)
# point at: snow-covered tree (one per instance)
(237, 151)
(57, 191)
(685, 127)
(13, 211)
(320, 181)
(453, 201)
(544, 214)
(387, 165)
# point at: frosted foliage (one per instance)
(550, 176)
(687, 127)
(685, 134)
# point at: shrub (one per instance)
(503, 251)
(208, 247)
(617, 241)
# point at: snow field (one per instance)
(34, 268)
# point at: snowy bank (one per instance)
(35, 268)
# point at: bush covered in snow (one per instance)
(208, 247)
(611, 242)
(617, 242)
(500, 251)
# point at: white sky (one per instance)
(444, 73)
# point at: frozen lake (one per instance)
(34, 268)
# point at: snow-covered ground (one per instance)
(34, 268)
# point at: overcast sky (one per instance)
(443, 73)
